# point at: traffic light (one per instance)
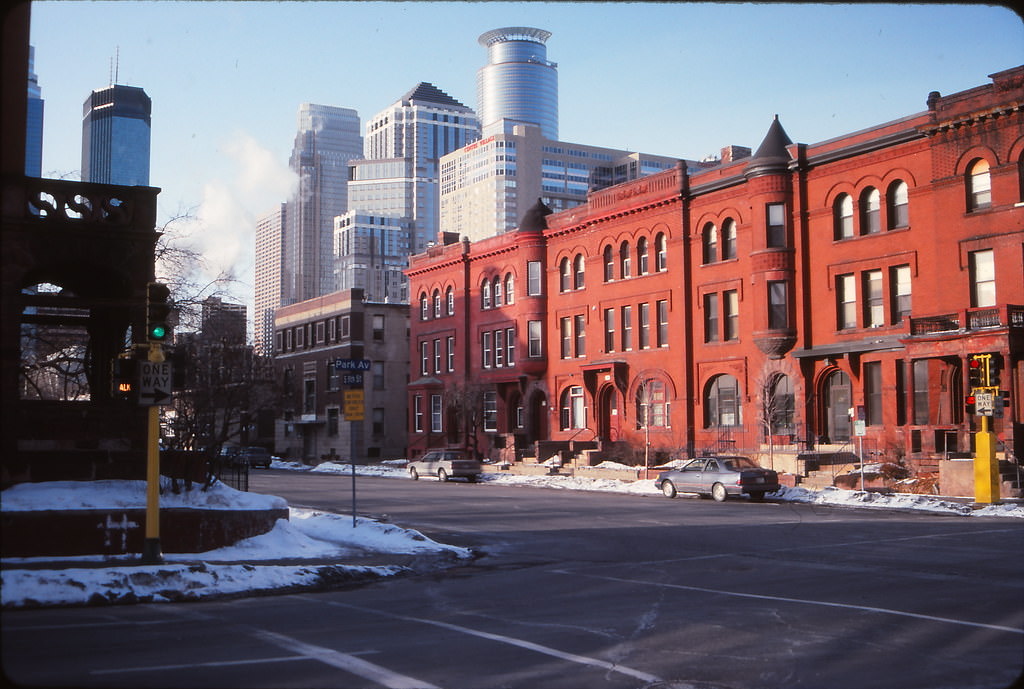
(969, 405)
(977, 371)
(158, 309)
(995, 365)
(123, 376)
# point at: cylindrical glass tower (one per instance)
(518, 83)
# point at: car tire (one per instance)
(668, 489)
(718, 492)
(442, 475)
(756, 495)
(413, 474)
(471, 479)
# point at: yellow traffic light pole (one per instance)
(151, 552)
(986, 469)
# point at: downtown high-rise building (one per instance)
(328, 139)
(34, 123)
(116, 123)
(393, 191)
(518, 85)
(270, 229)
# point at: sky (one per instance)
(674, 79)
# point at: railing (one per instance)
(1008, 315)
(71, 203)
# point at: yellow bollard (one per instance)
(986, 469)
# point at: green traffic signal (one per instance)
(158, 308)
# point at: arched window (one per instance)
(625, 261)
(728, 239)
(896, 201)
(652, 406)
(424, 307)
(497, 292)
(660, 252)
(485, 295)
(609, 264)
(843, 217)
(778, 405)
(449, 297)
(578, 267)
(979, 185)
(509, 289)
(564, 276)
(572, 412)
(870, 211)
(722, 407)
(641, 256)
(710, 241)
(437, 304)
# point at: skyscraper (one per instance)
(328, 138)
(116, 136)
(518, 83)
(393, 192)
(34, 125)
(270, 229)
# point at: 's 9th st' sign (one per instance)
(154, 383)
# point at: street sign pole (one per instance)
(151, 554)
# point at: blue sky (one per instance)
(677, 79)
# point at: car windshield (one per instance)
(739, 463)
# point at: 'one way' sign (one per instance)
(154, 383)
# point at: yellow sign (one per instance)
(354, 409)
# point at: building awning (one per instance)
(872, 344)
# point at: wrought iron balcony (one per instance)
(1004, 316)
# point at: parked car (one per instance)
(445, 464)
(719, 477)
(255, 457)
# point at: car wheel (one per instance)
(757, 495)
(471, 479)
(442, 475)
(718, 492)
(413, 474)
(668, 489)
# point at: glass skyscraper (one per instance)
(518, 84)
(34, 124)
(116, 136)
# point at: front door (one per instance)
(838, 400)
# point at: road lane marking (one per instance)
(512, 641)
(344, 661)
(784, 599)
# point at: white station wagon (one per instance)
(445, 464)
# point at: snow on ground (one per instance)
(314, 544)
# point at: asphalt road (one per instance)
(581, 590)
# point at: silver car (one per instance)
(445, 464)
(719, 477)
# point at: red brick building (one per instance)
(761, 305)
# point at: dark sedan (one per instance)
(719, 477)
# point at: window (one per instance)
(490, 415)
(921, 389)
(625, 261)
(535, 343)
(870, 211)
(435, 414)
(983, 278)
(565, 328)
(485, 295)
(450, 351)
(661, 253)
(722, 406)
(437, 304)
(320, 330)
(424, 307)
(424, 358)
(662, 307)
(780, 405)
(710, 243)
(651, 405)
(378, 375)
(309, 396)
(333, 376)
(843, 217)
(979, 186)
(731, 314)
(627, 328)
(729, 240)
(332, 421)
(378, 421)
(497, 292)
(899, 280)
(873, 392)
(609, 264)
(899, 209)
(572, 410)
(645, 326)
(378, 326)
(874, 303)
(486, 355)
(579, 267)
(778, 305)
(510, 346)
(776, 224)
(510, 289)
(564, 276)
(499, 348)
(417, 414)
(641, 256)
(437, 355)
(711, 317)
(346, 326)
(609, 330)
(580, 342)
(449, 297)
(846, 302)
(533, 283)
(332, 329)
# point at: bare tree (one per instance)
(465, 402)
(774, 410)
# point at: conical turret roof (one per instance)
(771, 155)
(533, 219)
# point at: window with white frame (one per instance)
(487, 353)
(510, 346)
(728, 239)
(660, 252)
(843, 217)
(983, 278)
(979, 185)
(899, 279)
(451, 353)
(572, 411)
(870, 211)
(424, 358)
(874, 299)
(846, 301)
(533, 279)
(898, 205)
(417, 413)
(490, 411)
(435, 414)
(437, 355)
(535, 344)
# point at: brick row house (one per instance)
(762, 305)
